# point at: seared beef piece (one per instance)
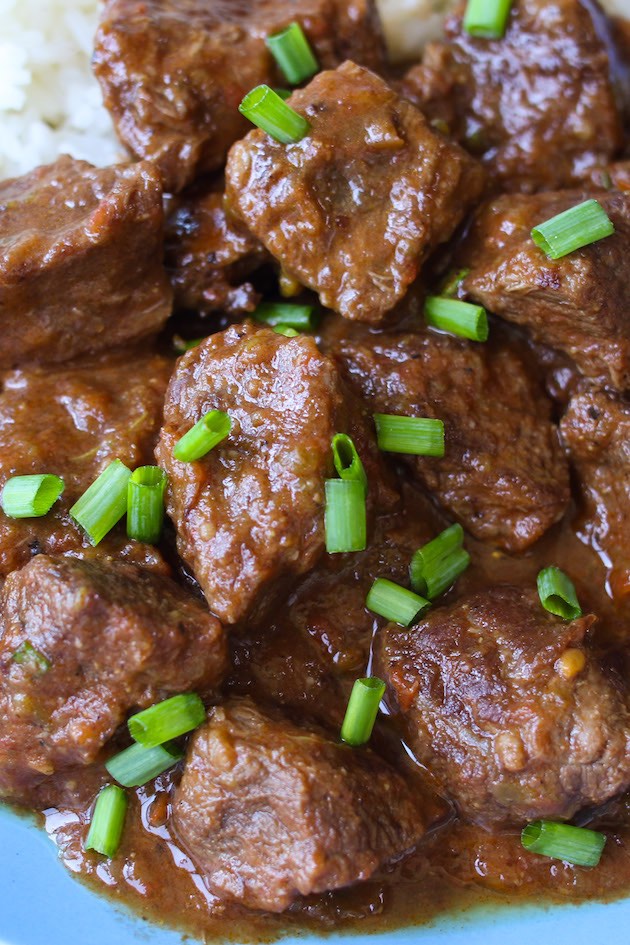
(354, 209)
(579, 304)
(615, 176)
(116, 638)
(73, 422)
(250, 514)
(209, 256)
(80, 260)
(508, 708)
(173, 72)
(596, 429)
(503, 476)
(538, 104)
(270, 811)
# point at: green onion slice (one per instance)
(576, 227)
(265, 109)
(286, 314)
(487, 19)
(436, 565)
(575, 845)
(292, 52)
(286, 330)
(30, 496)
(347, 461)
(452, 282)
(182, 345)
(27, 655)
(395, 603)
(104, 503)
(167, 720)
(457, 318)
(207, 433)
(345, 518)
(417, 436)
(108, 821)
(362, 710)
(145, 504)
(284, 93)
(136, 765)
(557, 594)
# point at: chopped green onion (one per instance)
(167, 720)
(452, 282)
(181, 345)
(487, 19)
(575, 845)
(417, 436)
(345, 518)
(265, 109)
(286, 330)
(436, 565)
(207, 433)
(576, 227)
(458, 318)
(395, 603)
(104, 503)
(136, 765)
(145, 504)
(347, 461)
(26, 654)
(557, 594)
(108, 821)
(30, 496)
(362, 711)
(284, 93)
(292, 52)
(286, 314)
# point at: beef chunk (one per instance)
(73, 422)
(173, 72)
(250, 514)
(508, 708)
(503, 475)
(596, 429)
(115, 638)
(80, 260)
(579, 304)
(354, 209)
(270, 811)
(538, 104)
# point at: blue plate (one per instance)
(40, 904)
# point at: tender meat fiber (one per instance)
(116, 638)
(355, 208)
(80, 260)
(538, 105)
(73, 421)
(503, 476)
(173, 72)
(270, 811)
(250, 514)
(508, 708)
(596, 429)
(209, 256)
(579, 304)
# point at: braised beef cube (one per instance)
(270, 810)
(615, 176)
(596, 429)
(503, 475)
(538, 105)
(508, 708)
(250, 514)
(173, 72)
(80, 260)
(355, 208)
(81, 645)
(579, 304)
(73, 421)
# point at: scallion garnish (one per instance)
(104, 503)
(452, 281)
(136, 765)
(557, 594)
(487, 19)
(108, 821)
(436, 565)
(287, 314)
(417, 436)
(346, 459)
(145, 504)
(207, 433)
(345, 518)
(30, 496)
(27, 655)
(284, 93)
(575, 845)
(167, 720)
(182, 345)
(265, 109)
(286, 330)
(292, 52)
(573, 229)
(457, 318)
(362, 710)
(395, 603)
